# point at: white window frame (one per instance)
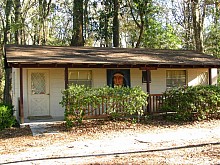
(87, 82)
(175, 79)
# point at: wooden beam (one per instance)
(210, 76)
(21, 109)
(148, 68)
(148, 89)
(66, 77)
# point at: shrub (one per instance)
(118, 101)
(190, 103)
(6, 116)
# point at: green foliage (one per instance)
(6, 116)
(212, 40)
(158, 36)
(193, 103)
(119, 102)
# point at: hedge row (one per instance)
(193, 103)
(121, 101)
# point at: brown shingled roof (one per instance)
(30, 54)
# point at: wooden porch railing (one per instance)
(155, 103)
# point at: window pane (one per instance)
(80, 77)
(38, 83)
(175, 78)
(144, 76)
(87, 83)
(203, 78)
(73, 75)
(84, 75)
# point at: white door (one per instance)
(38, 92)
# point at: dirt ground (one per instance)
(114, 142)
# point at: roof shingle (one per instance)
(28, 54)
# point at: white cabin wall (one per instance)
(99, 77)
(136, 77)
(158, 81)
(25, 92)
(57, 85)
(194, 76)
(214, 72)
(16, 90)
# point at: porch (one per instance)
(103, 110)
(155, 102)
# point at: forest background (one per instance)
(156, 24)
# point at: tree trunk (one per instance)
(198, 18)
(217, 27)
(17, 7)
(140, 36)
(106, 34)
(7, 20)
(141, 27)
(187, 25)
(116, 24)
(7, 89)
(77, 37)
(86, 20)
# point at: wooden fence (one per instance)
(155, 102)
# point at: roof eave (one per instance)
(108, 65)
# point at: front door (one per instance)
(38, 92)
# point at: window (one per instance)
(80, 77)
(175, 78)
(38, 83)
(203, 78)
(144, 76)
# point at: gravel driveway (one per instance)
(197, 143)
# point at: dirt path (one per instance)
(197, 143)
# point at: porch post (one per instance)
(148, 88)
(210, 76)
(66, 77)
(21, 108)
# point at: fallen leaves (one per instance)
(15, 140)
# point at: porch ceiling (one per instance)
(31, 56)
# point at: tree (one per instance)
(77, 37)
(115, 23)
(8, 9)
(140, 12)
(17, 8)
(7, 86)
(198, 16)
(212, 35)
(44, 9)
(181, 12)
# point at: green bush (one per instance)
(193, 103)
(118, 101)
(6, 116)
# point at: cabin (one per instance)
(40, 73)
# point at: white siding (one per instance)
(15, 90)
(214, 73)
(25, 92)
(136, 77)
(99, 77)
(193, 76)
(158, 81)
(56, 86)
